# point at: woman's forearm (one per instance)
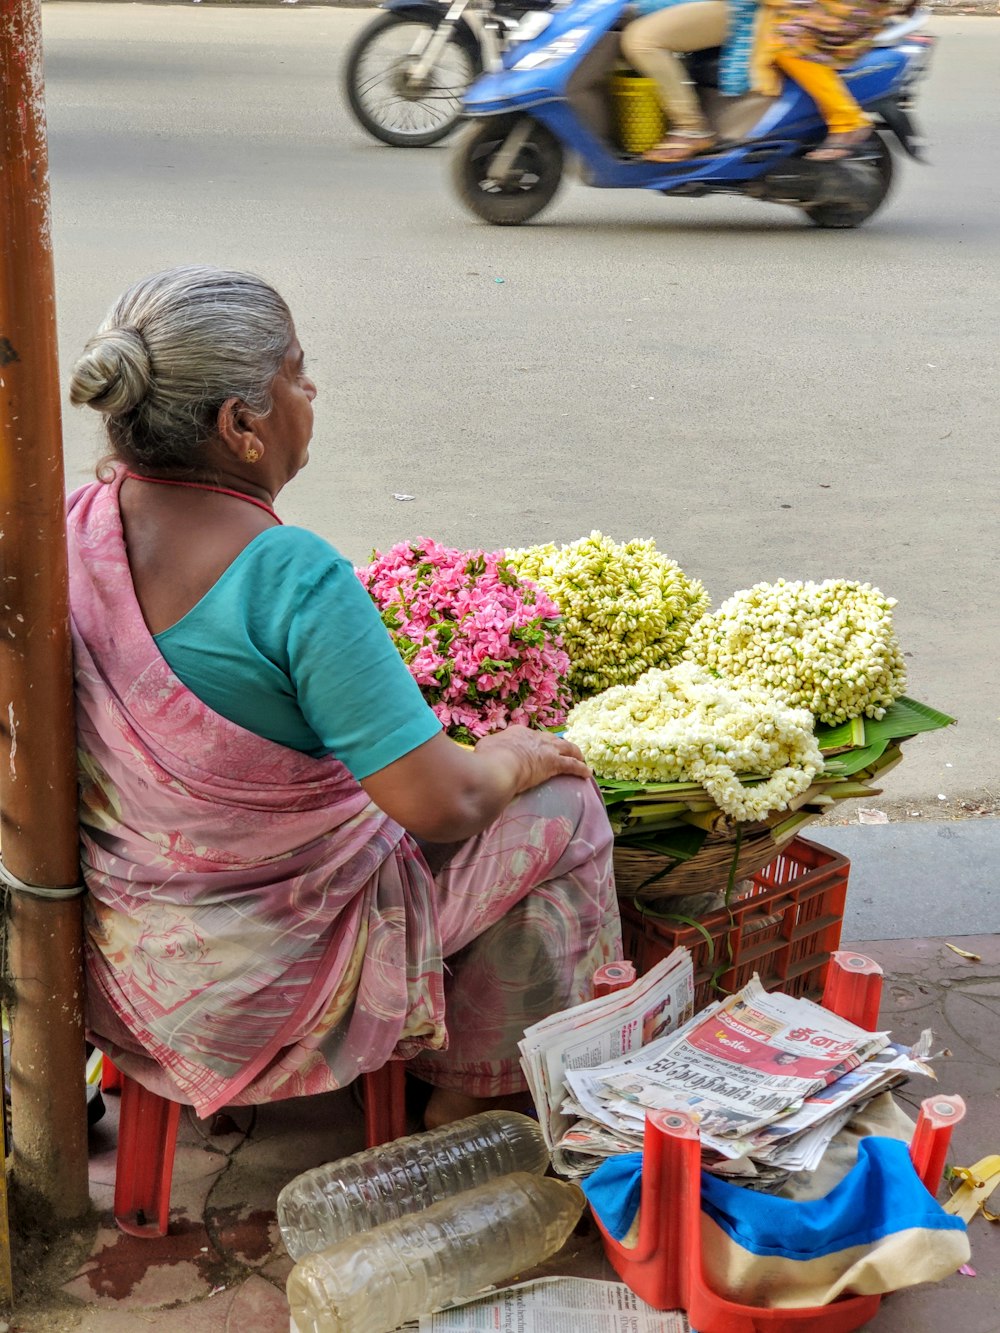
(444, 792)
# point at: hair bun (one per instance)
(113, 374)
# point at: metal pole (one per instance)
(38, 830)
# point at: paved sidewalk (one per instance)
(222, 1268)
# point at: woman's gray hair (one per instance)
(171, 351)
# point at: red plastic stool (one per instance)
(665, 1267)
(854, 988)
(147, 1140)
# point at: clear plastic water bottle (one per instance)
(374, 1282)
(329, 1203)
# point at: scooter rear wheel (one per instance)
(531, 182)
(868, 181)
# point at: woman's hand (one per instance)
(538, 755)
(444, 792)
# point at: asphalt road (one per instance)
(762, 398)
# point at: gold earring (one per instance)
(252, 455)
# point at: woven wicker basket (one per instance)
(647, 876)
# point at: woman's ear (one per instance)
(237, 428)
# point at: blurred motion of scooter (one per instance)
(555, 98)
(408, 70)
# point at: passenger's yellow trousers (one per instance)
(827, 89)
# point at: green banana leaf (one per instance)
(854, 761)
(906, 717)
(628, 791)
(845, 736)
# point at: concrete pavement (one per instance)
(943, 876)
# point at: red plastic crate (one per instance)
(784, 929)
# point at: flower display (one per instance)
(482, 643)
(829, 647)
(625, 606)
(682, 724)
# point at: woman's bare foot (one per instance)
(446, 1105)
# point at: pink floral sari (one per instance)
(256, 928)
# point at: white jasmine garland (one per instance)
(829, 647)
(682, 724)
(625, 606)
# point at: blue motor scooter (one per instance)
(552, 99)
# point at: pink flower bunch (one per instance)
(482, 643)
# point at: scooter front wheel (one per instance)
(385, 96)
(507, 194)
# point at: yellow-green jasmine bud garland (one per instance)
(684, 724)
(829, 647)
(625, 606)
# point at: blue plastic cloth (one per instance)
(613, 1192)
(877, 1231)
(882, 1194)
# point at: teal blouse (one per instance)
(288, 644)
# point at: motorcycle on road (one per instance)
(552, 101)
(408, 70)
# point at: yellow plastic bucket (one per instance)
(639, 120)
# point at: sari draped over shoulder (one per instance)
(255, 926)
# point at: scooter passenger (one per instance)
(809, 40)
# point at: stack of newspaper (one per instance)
(771, 1079)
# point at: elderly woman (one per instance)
(294, 875)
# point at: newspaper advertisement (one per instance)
(645, 1014)
(886, 1069)
(557, 1305)
(750, 1061)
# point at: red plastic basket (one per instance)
(784, 929)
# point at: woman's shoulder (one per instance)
(294, 569)
(284, 576)
(290, 548)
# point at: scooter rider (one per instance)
(654, 43)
